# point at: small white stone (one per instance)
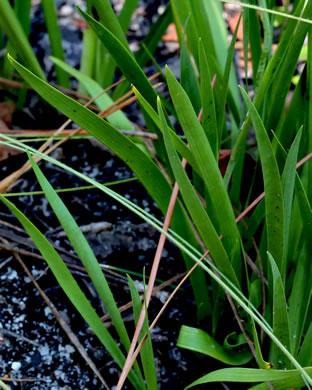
(47, 311)
(44, 350)
(69, 348)
(16, 366)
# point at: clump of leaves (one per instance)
(257, 263)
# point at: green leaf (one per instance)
(146, 353)
(272, 186)
(143, 167)
(109, 20)
(280, 317)
(84, 251)
(70, 287)
(13, 29)
(118, 118)
(196, 209)
(50, 16)
(208, 167)
(123, 58)
(199, 341)
(281, 379)
(288, 182)
(209, 121)
(178, 143)
(188, 77)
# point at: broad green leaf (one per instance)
(280, 317)
(118, 118)
(282, 379)
(14, 31)
(209, 170)
(272, 186)
(123, 58)
(70, 287)
(146, 353)
(199, 341)
(143, 167)
(50, 16)
(196, 209)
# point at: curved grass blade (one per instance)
(207, 164)
(118, 118)
(124, 58)
(178, 143)
(110, 20)
(188, 77)
(143, 167)
(209, 121)
(70, 287)
(272, 186)
(199, 341)
(13, 29)
(288, 183)
(85, 253)
(187, 247)
(284, 379)
(126, 14)
(50, 16)
(146, 353)
(196, 209)
(280, 317)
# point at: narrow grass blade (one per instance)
(123, 58)
(305, 356)
(180, 146)
(199, 341)
(288, 182)
(196, 209)
(272, 186)
(146, 353)
(126, 14)
(188, 77)
(284, 379)
(143, 167)
(110, 20)
(118, 118)
(280, 317)
(209, 121)
(14, 31)
(88, 56)
(70, 287)
(50, 16)
(207, 164)
(84, 251)
(22, 9)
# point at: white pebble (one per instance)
(16, 366)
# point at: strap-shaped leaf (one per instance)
(118, 118)
(274, 208)
(281, 379)
(195, 207)
(199, 341)
(123, 58)
(144, 168)
(70, 287)
(13, 29)
(206, 162)
(280, 317)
